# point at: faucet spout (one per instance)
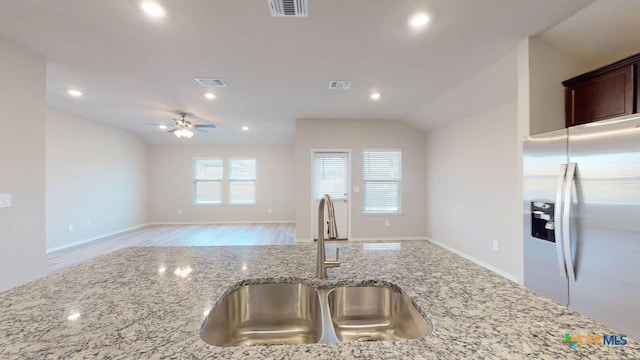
(321, 259)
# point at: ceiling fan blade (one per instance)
(206, 126)
(173, 130)
(158, 124)
(195, 129)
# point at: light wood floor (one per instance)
(175, 235)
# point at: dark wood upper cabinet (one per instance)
(604, 93)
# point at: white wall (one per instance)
(473, 168)
(473, 185)
(171, 185)
(358, 135)
(22, 165)
(96, 180)
(548, 68)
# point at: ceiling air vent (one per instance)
(288, 8)
(206, 82)
(340, 85)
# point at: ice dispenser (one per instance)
(542, 226)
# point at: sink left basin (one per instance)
(262, 314)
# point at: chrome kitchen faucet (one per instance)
(321, 260)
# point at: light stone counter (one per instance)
(128, 309)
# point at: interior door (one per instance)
(331, 176)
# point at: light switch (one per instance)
(5, 200)
(356, 189)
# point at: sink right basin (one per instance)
(374, 313)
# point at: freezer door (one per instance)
(605, 222)
(544, 156)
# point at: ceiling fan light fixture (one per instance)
(186, 133)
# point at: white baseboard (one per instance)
(304, 240)
(393, 238)
(477, 261)
(95, 238)
(221, 222)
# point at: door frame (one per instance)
(314, 151)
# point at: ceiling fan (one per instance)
(185, 128)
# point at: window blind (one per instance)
(207, 179)
(242, 181)
(382, 175)
(330, 176)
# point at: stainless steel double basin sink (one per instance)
(298, 313)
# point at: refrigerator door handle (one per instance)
(566, 220)
(557, 219)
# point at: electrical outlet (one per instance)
(269, 211)
(70, 227)
(496, 245)
(5, 200)
(387, 222)
(88, 223)
(179, 211)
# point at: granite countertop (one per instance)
(127, 308)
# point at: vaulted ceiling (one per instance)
(133, 70)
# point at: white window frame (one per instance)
(196, 181)
(365, 181)
(230, 181)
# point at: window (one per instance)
(242, 181)
(330, 175)
(382, 175)
(207, 181)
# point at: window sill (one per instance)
(382, 214)
(223, 204)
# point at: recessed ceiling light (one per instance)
(74, 93)
(162, 127)
(153, 9)
(245, 128)
(375, 96)
(419, 20)
(210, 96)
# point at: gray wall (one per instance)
(358, 135)
(22, 165)
(96, 180)
(473, 167)
(171, 185)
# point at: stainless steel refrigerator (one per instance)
(582, 220)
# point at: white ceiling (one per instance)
(602, 33)
(134, 71)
